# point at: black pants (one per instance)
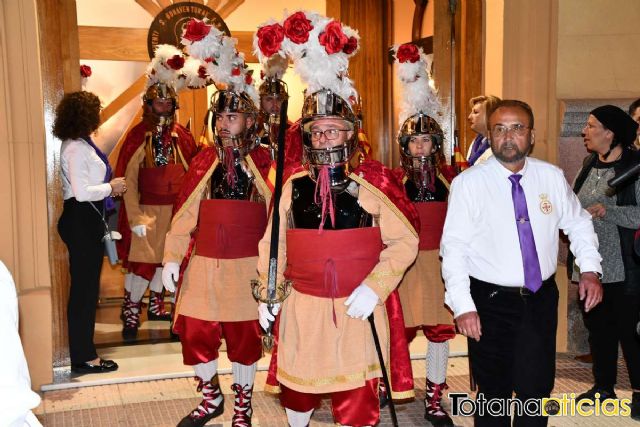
(81, 229)
(517, 349)
(611, 322)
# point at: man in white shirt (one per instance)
(499, 256)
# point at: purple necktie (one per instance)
(530, 262)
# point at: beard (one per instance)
(509, 152)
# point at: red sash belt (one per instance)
(160, 185)
(333, 263)
(432, 215)
(230, 229)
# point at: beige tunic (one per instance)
(212, 289)
(157, 218)
(422, 292)
(315, 356)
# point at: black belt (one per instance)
(521, 290)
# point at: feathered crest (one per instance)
(318, 46)
(418, 92)
(274, 67)
(218, 59)
(166, 66)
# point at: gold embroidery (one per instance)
(273, 389)
(399, 395)
(338, 379)
(385, 200)
(264, 188)
(173, 256)
(378, 278)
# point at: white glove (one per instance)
(264, 317)
(361, 302)
(170, 275)
(139, 230)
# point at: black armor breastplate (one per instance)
(416, 194)
(162, 155)
(305, 213)
(242, 189)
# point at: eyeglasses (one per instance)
(329, 134)
(500, 131)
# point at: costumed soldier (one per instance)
(426, 179)
(347, 236)
(220, 216)
(153, 159)
(273, 91)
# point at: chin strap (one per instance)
(322, 195)
(229, 165)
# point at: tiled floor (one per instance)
(164, 402)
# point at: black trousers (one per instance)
(81, 229)
(517, 349)
(611, 322)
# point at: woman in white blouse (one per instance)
(87, 188)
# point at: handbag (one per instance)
(109, 237)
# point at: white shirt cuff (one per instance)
(590, 265)
(463, 304)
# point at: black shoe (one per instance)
(439, 420)
(383, 397)
(603, 394)
(635, 405)
(88, 368)
(165, 317)
(129, 334)
(199, 421)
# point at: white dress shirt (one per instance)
(82, 172)
(480, 237)
(16, 397)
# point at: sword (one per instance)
(385, 377)
(274, 293)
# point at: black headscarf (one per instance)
(624, 128)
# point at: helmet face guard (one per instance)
(326, 104)
(274, 87)
(161, 91)
(226, 101)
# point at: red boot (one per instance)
(207, 409)
(126, 302)
(434, 412)
(156, 309)
(131, 315)
(242, 410)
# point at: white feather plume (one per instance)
(192, 73)
(275, 67)
(224, 65)
(158, 71)
(418, 93)
(317, 69)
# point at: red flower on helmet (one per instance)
(202, 72)
(196, 30)
(235, 71)
(248, 78)
(297, 27)
(176, 62)
(333, 39)
(351, 46)
(408, 53)
(85, 71)
(269, 38)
